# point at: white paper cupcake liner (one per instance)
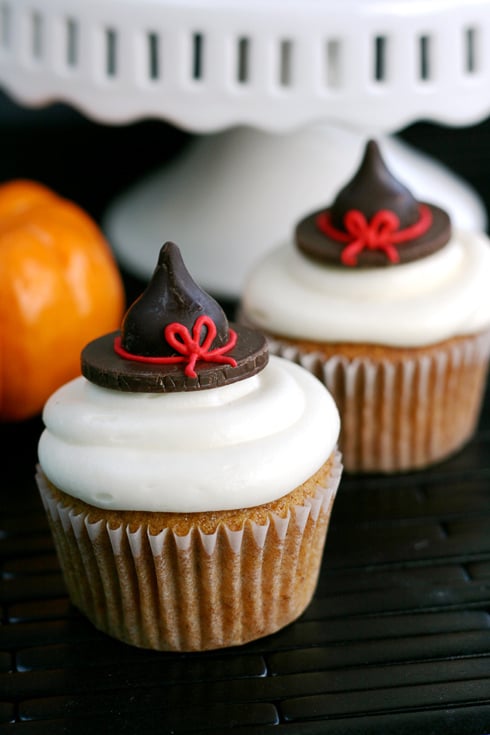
(198, 591)
(404, 415)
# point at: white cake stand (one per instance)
(281, 92)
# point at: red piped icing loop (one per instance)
(379, 233)
(191, 348)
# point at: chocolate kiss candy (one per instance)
(373, 188)
(171, 296)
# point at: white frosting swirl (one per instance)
(235, 446)
(443, 295)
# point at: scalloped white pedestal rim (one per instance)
(232, 196)
(206, 65)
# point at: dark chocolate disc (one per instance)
(103, 366)
(313, 243)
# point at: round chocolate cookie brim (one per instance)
(315, 244)
(101, 365)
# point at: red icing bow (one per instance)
(191, 347)
(379, 233)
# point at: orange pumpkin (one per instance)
(59, 288)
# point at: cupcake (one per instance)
(390, 308)
(188, 478)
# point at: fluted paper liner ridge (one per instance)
(198, 591)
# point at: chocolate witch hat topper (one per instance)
(174, 337)
(373, 221)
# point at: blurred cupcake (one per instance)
(378, 298)
(188, 479)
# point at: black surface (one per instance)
(397, 639)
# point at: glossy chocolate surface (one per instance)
(373, 189)
(173, 300)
